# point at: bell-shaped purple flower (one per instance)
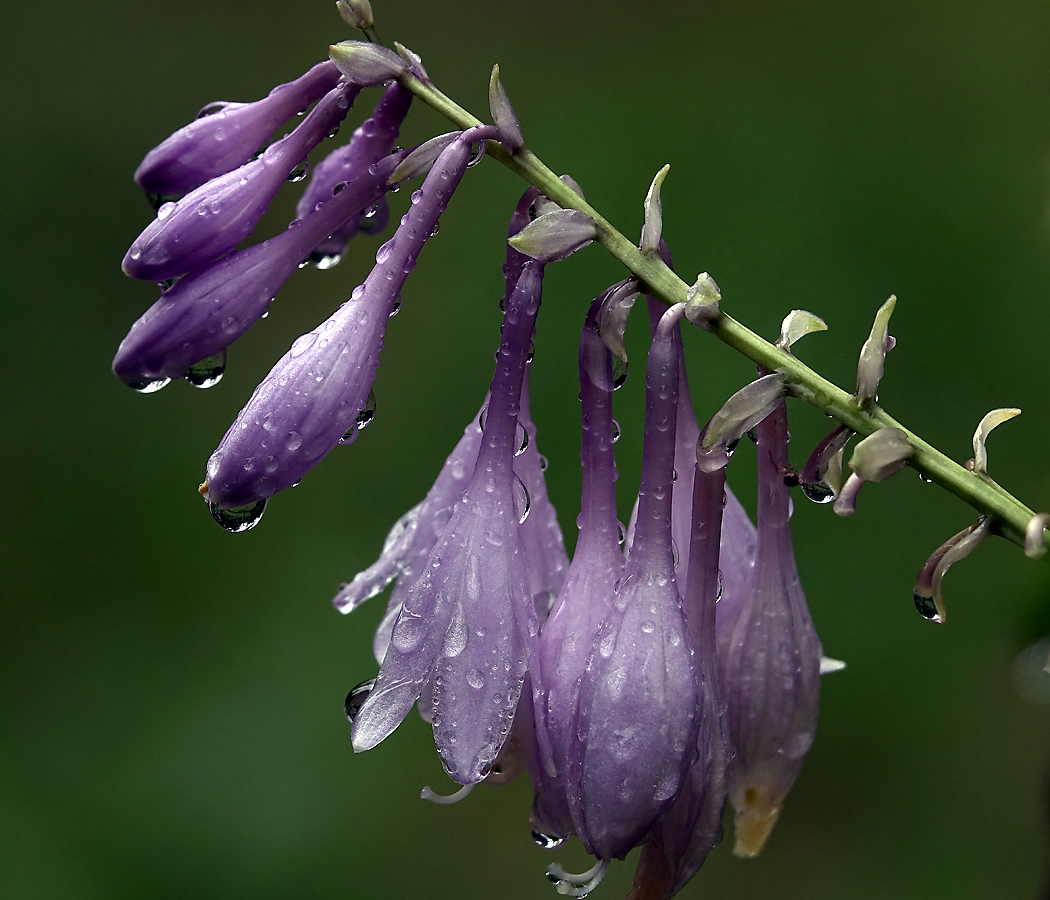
(312, 398)
(206, 311)
(636, 726)
(585, 600)
(468, 624)
(769, 658)
(212, 219)
(372, 140)
(225, 135)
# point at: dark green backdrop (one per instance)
(171, 694)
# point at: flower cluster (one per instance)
(668, 667)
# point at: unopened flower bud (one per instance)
(414, 61)
(653, 228)
(873, 353)
(1034, 542)
(544, 204)
(503, 115)
(356, 13)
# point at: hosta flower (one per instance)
(226, 135)
(212, 219)
(372, 140)
(769, 658)
(207, 310)
(468, 623)
(312, 397)
(636, 725)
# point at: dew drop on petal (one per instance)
(357, 697)
(208, 372)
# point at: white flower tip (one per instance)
(420, 160)
(702, 300)
(980, 436)
(555, 235)
(445, 799)
(366, 65)
(873, 354)
(503, 115)
(1034, 542)
(357, 13)
(653, 228)
(829, 665)
(797, 324)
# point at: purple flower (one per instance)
(207, 310)
(585, 599)
(636, 726)
(212, 219)
(769, 658)
(226, 135)
(468, 623)
(371, 141)
(313, 395)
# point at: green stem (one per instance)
(1009, 514)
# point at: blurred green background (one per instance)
(170, 695)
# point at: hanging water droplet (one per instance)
(522, 501)
(731, 447)
(370, 211)
(265, 314)
(621, 534)
(299, 172)
(924, 479)
(619, 372)
(208, 372)
(356, 698)
(349, 437)
(368, 413)
(543, 463)
(616, 431)
(240, 518)
(149, 387)
(210, 109)
(927, 608)
(531, 355)
(165, 210)
(821, 492)
(523, 439)
(502, 304)
(481, 418)
(721, 584)
(325, 261)
(159, 200)
(304, 263)
(435, 229)
(396, 308)
(477, 151)
(334, 131)
(168, 282)
(394, 188)
(547, 841)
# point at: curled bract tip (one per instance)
(503, 115)
(702, 299)
(881, 454)
(555, 235)
(928, 593)
(753, 826)
(873, 354)
(366, 64)
(740, 413)
(653, 228)
(612, 317)
(357, 13)
(797, 324)
(414, 61)
(980, 436)
(419, 160)
(1034, 542)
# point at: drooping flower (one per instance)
(372, 140)
(206, 311)
(769, 658)
(213, 218)
(469, 622)
(312, 397)
(226, 135)
(636, 724)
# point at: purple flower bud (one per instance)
(468, 623)
(367, 65)
(636, 722)
(214, 218)
(372, 140)
(769, 658)
(584, 601)
(226, 135)
(311, 399)
(207, 310)
(503, 115)
(357, 13)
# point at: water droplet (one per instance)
(619, 372)
(368, 413)
(547, 841)
(924, 479)
(299, 172)
(927, 608)
(820, 492)
(621, 533)
(370, 211)
(357, 697)
(208, 372)
(543, 463)
(149, 387)
(159, 200)
(325, 261)
(304, 263)
(393, 189)
(721, 584)
(240, 518)
(165, 210)
(523, 439)
(522, 501)
(753, 435)
(396, 308)
(210, 109)
(334, 131)
(349, 437)
(416, 197)
(293, 441)
(616, 431)
(435, 230)
(477, 151)
(475, 679)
